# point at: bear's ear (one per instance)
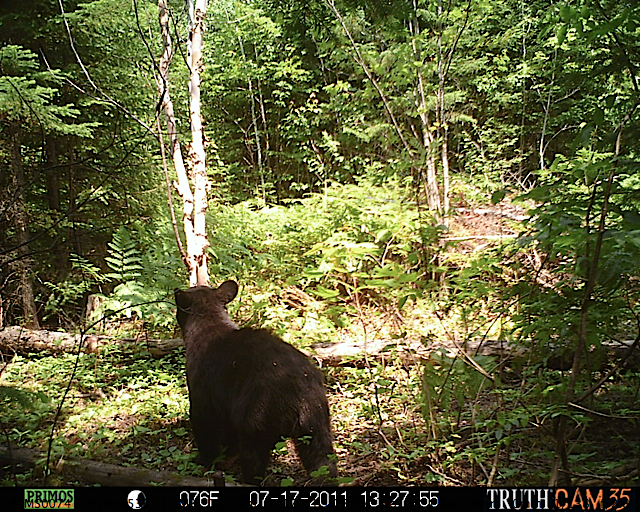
(227, 291)
(184, 300)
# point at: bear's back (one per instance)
(253, 358)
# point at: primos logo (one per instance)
(48, 498)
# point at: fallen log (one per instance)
(90, 472)
(18, 340)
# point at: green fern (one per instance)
(141, 279)
(124, 257)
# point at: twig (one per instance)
(446, 477)
(494, 467)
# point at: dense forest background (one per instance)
(450, 186)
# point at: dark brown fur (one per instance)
(248, 389)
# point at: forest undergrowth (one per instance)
(408, 411)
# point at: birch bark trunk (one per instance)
(194, 201)
(200, 273)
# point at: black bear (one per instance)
(248, 389)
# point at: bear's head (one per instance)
(202, 309)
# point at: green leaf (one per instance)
(610, 100)
(598, 116)
(565, 13)
(323, 292)
(561, 34)
(498, 196)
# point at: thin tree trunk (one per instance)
(444, 64)
(53, 173)
(446, 180)
(547, 110)
(431, 179)
(263, 115)
(29, 310)
(201, 185)
(172, 211)
(442, 125)
(72, 233)
(194, 202)
(441, 116)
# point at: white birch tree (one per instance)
(192, 185)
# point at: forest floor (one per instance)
(128, 409)
(381, 436)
